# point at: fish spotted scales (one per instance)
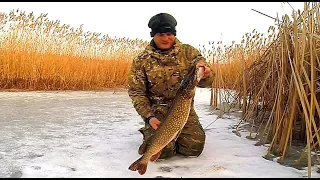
(175, 120)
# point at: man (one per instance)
(155, 77)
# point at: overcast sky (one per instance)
(198, 22)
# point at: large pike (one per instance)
(175, 120)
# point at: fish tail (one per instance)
(139, 166)
(155, 156)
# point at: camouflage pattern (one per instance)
(153, 80)
(190, 142)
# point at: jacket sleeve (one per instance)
(195, 57)
(137, 90)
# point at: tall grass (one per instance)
(278, 84)
(39, 54)
(230, 64)
(274, 77)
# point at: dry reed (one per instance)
(39, 54)
(276, 80)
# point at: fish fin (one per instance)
(142, 168)
(138, 166)
(134, 165)
(155, 156)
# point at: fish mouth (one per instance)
(192, 79)
(195, 79)
(200, 74)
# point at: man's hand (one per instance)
(154, 123)
(206, 69)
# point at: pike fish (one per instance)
(175, 120)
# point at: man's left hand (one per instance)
(206, 69)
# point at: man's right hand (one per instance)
(154, 123)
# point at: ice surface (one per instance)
(95, 134)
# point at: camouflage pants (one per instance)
(189, 143)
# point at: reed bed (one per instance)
(39, 54)
(277, 83)
(273, 78)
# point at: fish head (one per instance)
(199, 73)
(191, 80)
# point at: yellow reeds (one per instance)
(279, 84)
(39, 54)
(275, 78)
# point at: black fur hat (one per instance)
(162, 23)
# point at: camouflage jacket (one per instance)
(155, 76)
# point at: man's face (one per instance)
(164, 41)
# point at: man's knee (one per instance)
(191, 148)
(147, 132)
(168, 151)
(191, 142)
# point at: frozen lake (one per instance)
(95, 134)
